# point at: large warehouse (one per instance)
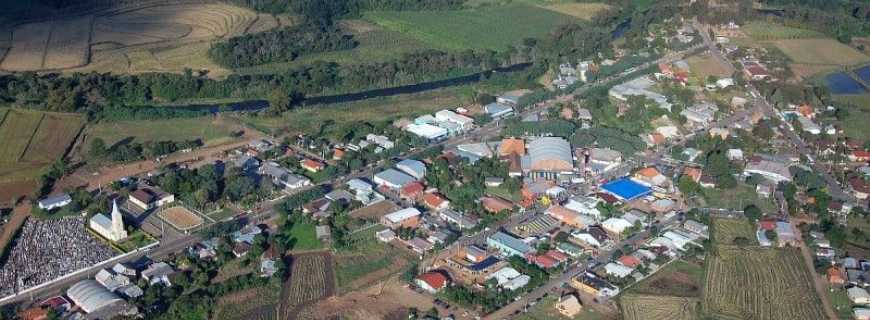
(91, 296)
(549, 157)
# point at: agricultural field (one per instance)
(823, 51)
(311, 279)
(412, 105)
(679, 279)
(32, 141)
(493, 27)
(254, 303)
(653, 307)
(137, 39)
(759, 283)
(726, 230)
(585, 11)
(211, 130)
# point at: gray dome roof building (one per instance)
(91, 296)
(551, 154)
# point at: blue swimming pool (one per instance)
(864, 74)
(841, 83)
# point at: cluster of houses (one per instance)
(443, 124)
(568, 74)
(853, 276)
(283, 178)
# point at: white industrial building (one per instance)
(427, 131)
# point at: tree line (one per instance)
(281, 45)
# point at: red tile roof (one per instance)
(495, 205)
(412, 189)
(629, 261)
(543, 261)
(558, 256)
(311, 164)
(436, 280)
(433, 200)
(860, 185)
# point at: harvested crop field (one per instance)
(180, 218)
(253, 303)
(311, 279)
(759, 283)
(726, 230)
(16, 131)
(182, 32)
(650, 307)
(820, 52)
(55, 133)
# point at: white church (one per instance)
(112, 229)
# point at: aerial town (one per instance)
(673, 160)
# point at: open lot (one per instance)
(304, 237)
(738, 198)
(703, 65)
(546, 310)
(726, 230)
(255, 303)
(211, 130)
(652, 307)
(759, 283)
(180, 218)
(679, 279)
(493, 27)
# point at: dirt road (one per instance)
(818, 282)
(19, 215)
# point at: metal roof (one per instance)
(91, 296)
(551, 154)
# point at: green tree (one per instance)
(752, 212)
(98, 148)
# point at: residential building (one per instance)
(590, 283)
(569, 306)
(584, 205)
(617, 270)
(311, 165)
(774, 171)
(465, 123)
(283, 177)
(860, 188)
(408, 218)
(381, 141)
(432, 281)
(570, 217)
(509, 278)
(460, 220)
(498, 110)
(149, 198)
(701, 114)
(650, 176)
(495, 204)
(435, 201)
(616, 226)
(858, 295)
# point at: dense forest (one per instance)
(281, 45)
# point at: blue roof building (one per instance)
(626, 189)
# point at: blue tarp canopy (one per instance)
(626, 189)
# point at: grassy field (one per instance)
(493, 27)
(375, 44)
(368, 262)
(763, 30)
(737, 198)
(820, 52)
(679, 278)
(841, 303)
(545, 310)
(307, 119)
(855, 125)
(651, 307)
(726, 230)
(759, 283)
(210, 130)
(305, 237)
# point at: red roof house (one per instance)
(435, 201)
(432, 281)
(311, 165)
(412, 191)
(767, 224)
(629, 261)
(558, 256)
(543, 261)
(860, 155)
(495, 205)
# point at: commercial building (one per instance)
(774, 171)
(508, 245)
(639, 87)
(92, 297)
(625, 189)
(414, 168)
(427, 131)
(392, 178)
(549, 157)
(53, 202)
(149, 198)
